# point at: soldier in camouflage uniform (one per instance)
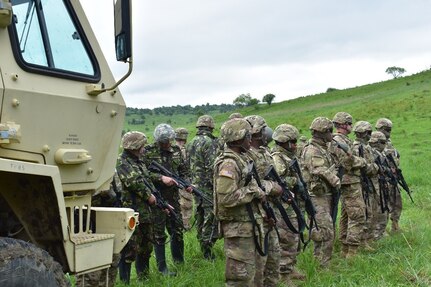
(320, 174)
(186, 198)
(203, 150)
(267, 267)
(169, 156)
(105, 198)
(378, 143)
(363, 130)
(352, 219)
(285, 137)
(235, 115)
(132, 173)
(233, 191)
(384, 126)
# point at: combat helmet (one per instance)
(133, 140)
(342, 118)
(163, 133)
(284, 133)
(235, 115)
(321, 124)
(362, 127)
(377, 136)
(383, 122)
(256, 122)
(181, 133)
(205, 121)
(235, 129)
(303, 139)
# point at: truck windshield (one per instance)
(48, 37)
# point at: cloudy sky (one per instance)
(201, 51)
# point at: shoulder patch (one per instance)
(227, 170)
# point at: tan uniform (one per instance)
(186, 198)
(320, 175)
(231, 195)
(395, 202)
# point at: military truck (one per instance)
(61, 119)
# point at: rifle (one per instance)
(163, 205)
(182, 183)
(367, 185)
(309, 206)
(383, 185)
(400, 178)
(287, 197)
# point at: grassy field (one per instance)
(403, 259)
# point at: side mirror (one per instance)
(123, 31)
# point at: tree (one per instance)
(245, 100)
(268, 98)
(395, 71)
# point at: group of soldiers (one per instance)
(254, 196)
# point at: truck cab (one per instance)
(60, 130)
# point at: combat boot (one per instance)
(207, 252)
(159, 250)
(124, 270)
(286, 280)
(142, 265)
(344, 250)
(366, 246)
(177, 250)
(296, 275)
(395, 227)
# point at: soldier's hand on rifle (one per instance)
(152, 200)
(169, 181)
(189, 189)
(168, 210)
(276, 190)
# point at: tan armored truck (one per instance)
(61, 118)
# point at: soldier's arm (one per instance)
(316, 166)
(132, 181)
(230, 194)
(282, 168)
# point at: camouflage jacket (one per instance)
(390, 149)
(131, 171)
(351, 164)
(320, 172)
(111, 197)
(173, 160)
(262, 160)
(202, 151)
(233, 189)
(371, 168)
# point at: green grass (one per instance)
(399, 260)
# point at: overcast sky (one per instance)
(201, 51)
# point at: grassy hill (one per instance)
(399, 260)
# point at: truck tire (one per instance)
(24, 264)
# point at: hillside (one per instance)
(399, 260)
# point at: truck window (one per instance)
(48, 38)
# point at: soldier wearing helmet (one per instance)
(235, 115)
(353, 209)
(301, 143)
(363, 130)
(186, 198)
(384, 126)
(267, 269)
(131, 172)
(284, 152)
(378, 143)
(320, 173)
(203, 150)
(234, 190)
(163, 152)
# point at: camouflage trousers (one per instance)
(162, 222)
(206, 226)
(352, 220)
(186, 203)
(267, 267)
(240, 253)
(140, 243)
(395, 205)
(370, 227)
(289, 245)
(324, 237)
(98, 278)
(381, 219)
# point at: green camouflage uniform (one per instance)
(131, 170)
(172, 159)
(203, 150)
(231, 196)
(267, 267)
(320, 174)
